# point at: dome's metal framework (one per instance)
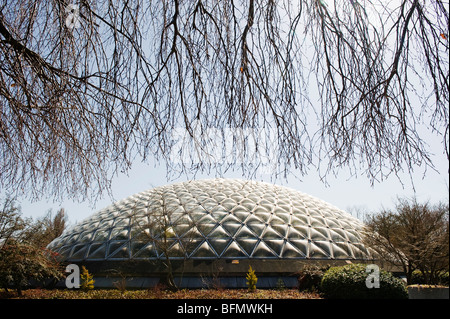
(215, 220)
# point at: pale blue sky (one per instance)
(343, 191)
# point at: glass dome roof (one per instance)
(215, 218)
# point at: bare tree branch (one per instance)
(86, 87)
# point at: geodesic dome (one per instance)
(215, 219)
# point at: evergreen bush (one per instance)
(349, 282)
(310, 277)
(418, 278)
(443, 278)
(87, 280)
(251, 279)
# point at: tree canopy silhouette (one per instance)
(87, 86)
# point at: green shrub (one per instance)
(349, 282)
(418, 278)
(310, 277)
(443, 278)
(87, 280)
(251, 279)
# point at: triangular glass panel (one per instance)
(247, 244)
(317, 250)
(207, 219)
(270, 233)
(286, 217)
(346, 248)
(295, 234)
(174, 217)
(359, 251)
(340, 253)
(209, 203)
(72, 239)
(231, 228)
(323, 231)
(218, 215)
(176, 250)
(276, 245)
(318, 222)
(122, 222)
(299, 221)
(241, 215)
(245, 232)
(263, 251)
(181, 229)
(64, 252)
(316, 236)
(314, 212)
(139, 234)
(231, 219)
(184, 220)
(219, 197)
(97, 251)
(289, 251)
(281, 229)
(205, 229)
(204, 251)
(333, 223)
(278, 210)
(239, 209)
(253, 197)
(233, 250)
(219, 245)
(286, 207)
(353, 236)
(252, 219)
(266, 205)
(85, 237)
(261, 210)
(228, 204)
(197, 216)
(218, 232)
(192, 233)
(248, 204)
(275, 220)
(299, 211)
(337, 236)
(257, 228)
(78, 253)
(264, 217)
(106, 223)
(148, 251)
(304, 230)
(302, 245)
(113, 246)
(119, 234)
(236, 197)
(136, 246)
(191, 244)
(122, 252)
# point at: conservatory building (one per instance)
(208, 232)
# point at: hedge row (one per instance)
(419, 279)
(349, 282)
